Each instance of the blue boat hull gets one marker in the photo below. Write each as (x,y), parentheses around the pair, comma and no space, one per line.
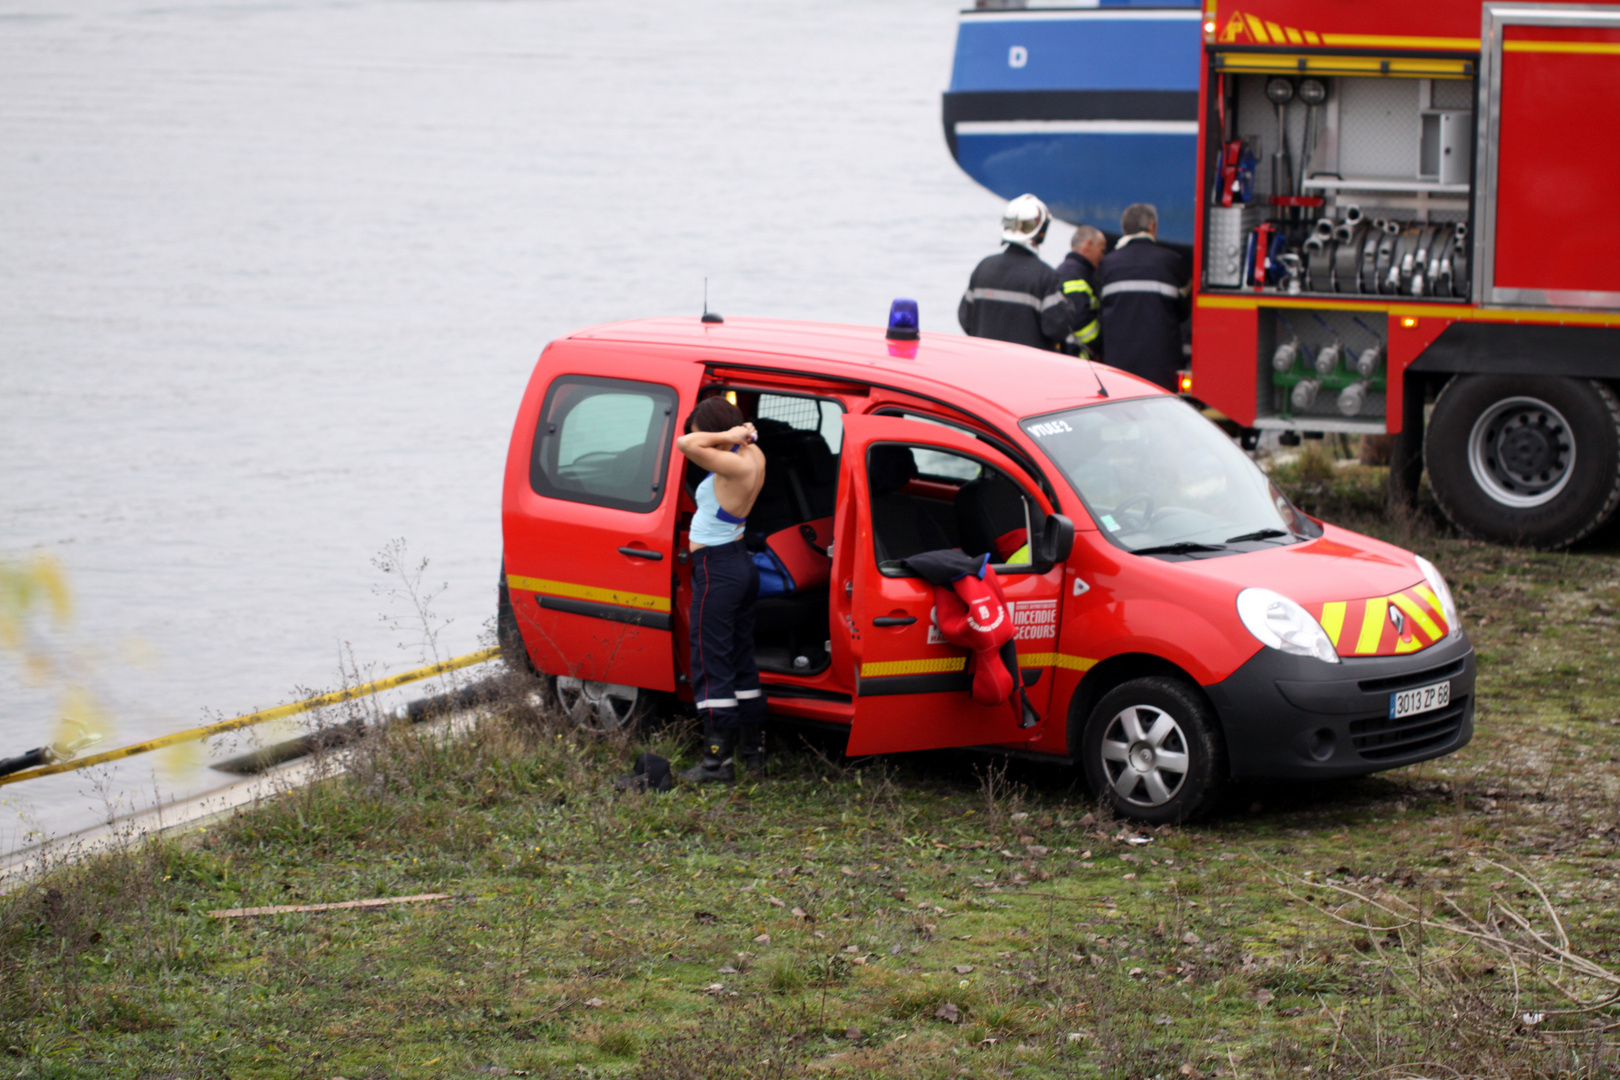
(1090,109)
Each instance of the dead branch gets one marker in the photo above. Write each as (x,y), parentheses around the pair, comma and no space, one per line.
(1504,930)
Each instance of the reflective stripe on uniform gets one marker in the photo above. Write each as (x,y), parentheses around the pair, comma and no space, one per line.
(748,695)
(1141,285)
(1008,296)
(718,703)
(1086,334)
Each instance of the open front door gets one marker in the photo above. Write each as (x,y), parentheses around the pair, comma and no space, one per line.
(907,487)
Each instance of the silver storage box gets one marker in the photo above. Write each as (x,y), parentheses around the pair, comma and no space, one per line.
(1223,252)
(1447,150)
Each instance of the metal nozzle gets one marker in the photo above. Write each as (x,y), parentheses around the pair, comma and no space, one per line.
(1304,395)
(1328,357)
(1367,361)
(1286,356)
(1352,398)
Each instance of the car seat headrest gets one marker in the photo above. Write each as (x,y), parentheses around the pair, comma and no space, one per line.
(890,468)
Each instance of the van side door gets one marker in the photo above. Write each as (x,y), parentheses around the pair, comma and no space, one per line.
(909,486)
(590,512)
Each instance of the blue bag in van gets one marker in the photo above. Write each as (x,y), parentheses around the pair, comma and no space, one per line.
(774,580)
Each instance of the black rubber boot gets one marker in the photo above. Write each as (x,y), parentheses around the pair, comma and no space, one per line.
(751,749)
(716,764)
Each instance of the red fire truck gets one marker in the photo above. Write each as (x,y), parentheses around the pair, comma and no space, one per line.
(1408,225)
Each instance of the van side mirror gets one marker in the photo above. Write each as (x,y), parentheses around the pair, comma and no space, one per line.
(1056,542)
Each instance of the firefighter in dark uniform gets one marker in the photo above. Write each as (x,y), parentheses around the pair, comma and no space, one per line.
(1144,288)
(1014,296)
(1078,272)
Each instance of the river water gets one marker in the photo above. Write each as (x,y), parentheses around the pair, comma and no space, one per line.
(273,276)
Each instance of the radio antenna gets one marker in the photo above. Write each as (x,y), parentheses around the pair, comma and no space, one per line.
(1102,391)
(709,316)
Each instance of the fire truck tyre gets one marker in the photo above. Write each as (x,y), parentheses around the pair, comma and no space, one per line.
(1521,460)
(599,706)
(1152,749)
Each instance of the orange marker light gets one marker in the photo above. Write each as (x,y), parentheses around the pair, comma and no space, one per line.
(731,396)
(1185,382)
(1409,322)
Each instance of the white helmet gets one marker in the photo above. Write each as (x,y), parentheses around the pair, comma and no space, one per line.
(1024,222)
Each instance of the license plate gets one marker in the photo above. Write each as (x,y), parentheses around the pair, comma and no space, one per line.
(1420,699)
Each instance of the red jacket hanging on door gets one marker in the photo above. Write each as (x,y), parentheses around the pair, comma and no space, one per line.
(972,613)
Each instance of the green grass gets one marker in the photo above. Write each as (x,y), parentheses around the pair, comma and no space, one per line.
(934,915)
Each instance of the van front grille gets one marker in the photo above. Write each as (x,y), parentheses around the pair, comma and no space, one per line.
(1382,739)
(1414,678)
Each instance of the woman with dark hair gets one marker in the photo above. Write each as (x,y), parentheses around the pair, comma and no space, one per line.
(725,585)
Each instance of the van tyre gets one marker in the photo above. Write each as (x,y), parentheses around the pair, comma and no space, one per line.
(1523,460)
(1153,751)
(514,654)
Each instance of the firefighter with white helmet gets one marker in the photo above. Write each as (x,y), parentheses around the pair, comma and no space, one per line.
(1014,296)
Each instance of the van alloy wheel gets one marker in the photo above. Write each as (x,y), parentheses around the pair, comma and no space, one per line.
(600,706)
(1144,754)
(1152,749)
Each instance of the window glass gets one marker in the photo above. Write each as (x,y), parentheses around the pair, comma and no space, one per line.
(963,503)
(941,465)
(604,441)
(1156,475)
(806,414)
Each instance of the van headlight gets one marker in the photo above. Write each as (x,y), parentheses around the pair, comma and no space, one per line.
(1448,606)
(1277,621)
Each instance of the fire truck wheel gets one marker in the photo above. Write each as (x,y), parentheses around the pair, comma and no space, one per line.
(599,706)
(1153,750)
(1523,460)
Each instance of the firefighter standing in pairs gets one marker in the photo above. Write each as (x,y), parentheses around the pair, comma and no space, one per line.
(1078,272)
(1014,296)
(1145,289)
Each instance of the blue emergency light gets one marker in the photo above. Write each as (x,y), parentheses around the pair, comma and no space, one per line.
(902,321)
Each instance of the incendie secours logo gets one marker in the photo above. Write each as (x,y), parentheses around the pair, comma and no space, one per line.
(1034,620)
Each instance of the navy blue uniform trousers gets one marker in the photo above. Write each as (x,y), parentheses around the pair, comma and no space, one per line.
(725,679)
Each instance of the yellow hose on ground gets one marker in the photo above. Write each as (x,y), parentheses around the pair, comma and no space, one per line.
(277,713)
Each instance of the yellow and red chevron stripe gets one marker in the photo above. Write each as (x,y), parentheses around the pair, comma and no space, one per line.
(1365,628)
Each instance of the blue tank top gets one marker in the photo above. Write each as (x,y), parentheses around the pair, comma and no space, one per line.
(711,525)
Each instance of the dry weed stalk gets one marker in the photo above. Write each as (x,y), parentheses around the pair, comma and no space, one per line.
(1542,953)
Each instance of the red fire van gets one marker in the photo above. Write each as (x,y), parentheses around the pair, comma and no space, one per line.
(1179,622)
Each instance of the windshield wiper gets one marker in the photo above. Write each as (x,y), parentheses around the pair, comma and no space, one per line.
(1185,547)
(1258,534)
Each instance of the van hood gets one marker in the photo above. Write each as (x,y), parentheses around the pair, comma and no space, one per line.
(1370,597)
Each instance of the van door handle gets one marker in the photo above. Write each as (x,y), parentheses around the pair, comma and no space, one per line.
(641,553)
(894,620)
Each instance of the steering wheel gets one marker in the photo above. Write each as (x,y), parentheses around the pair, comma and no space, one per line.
(1143,516)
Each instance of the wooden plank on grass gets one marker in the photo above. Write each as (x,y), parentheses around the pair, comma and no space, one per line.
(283,909)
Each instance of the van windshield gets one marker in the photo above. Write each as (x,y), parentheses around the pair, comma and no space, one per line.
(1159,479)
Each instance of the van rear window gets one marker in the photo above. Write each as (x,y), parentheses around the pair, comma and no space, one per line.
(604,441)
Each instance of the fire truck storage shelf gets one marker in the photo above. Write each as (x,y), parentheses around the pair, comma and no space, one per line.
(1407,226)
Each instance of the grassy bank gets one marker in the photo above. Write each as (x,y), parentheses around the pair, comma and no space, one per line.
(930,915)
